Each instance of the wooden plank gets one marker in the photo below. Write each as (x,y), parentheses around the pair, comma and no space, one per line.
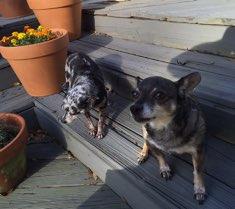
(200,12)
(137,4)
(7,77)
(213,87)
(15,99)
(3,63)
(194,60)
(123,154)
(10,22)
(181,35)
(58,182)
(7,26)
(93,196)
(31,119)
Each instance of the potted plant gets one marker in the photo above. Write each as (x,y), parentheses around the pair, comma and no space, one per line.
(37,56)
(59,14)
(14,8)
(13,139)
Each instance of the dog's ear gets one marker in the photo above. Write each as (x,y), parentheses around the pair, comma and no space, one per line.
(138,80)
(187,84)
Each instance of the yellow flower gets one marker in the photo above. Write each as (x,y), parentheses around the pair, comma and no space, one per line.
(14,42)
(21,36)
(15,34)
(40,28)
(4,39)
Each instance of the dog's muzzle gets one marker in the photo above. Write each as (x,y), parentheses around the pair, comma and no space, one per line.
(63,119)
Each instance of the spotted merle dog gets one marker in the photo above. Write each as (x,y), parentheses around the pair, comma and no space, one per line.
(85,90)
(171,122)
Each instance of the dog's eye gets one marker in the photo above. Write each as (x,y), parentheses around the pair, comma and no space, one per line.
(135,94)
(66,109)
(159,95)
(74,109)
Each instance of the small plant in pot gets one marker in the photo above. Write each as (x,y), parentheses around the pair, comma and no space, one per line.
(13,139)
(37,56)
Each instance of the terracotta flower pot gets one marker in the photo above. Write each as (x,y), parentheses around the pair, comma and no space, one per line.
(14,8)
(59,14)
(12,156)
(40,67)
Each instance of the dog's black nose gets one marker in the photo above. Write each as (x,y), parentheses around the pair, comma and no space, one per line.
(63,120)
(136,108)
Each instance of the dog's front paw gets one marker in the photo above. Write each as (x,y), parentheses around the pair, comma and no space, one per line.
(100,134)
(200,195)
(166,173)
(92,131)
(142,158)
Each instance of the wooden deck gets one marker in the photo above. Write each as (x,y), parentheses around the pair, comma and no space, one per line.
(122,61)
(216,12)
(55,179)
(169,38)
(181,24)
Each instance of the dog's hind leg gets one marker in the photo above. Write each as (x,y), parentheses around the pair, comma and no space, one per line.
(101,123)
(199,187)
(143,155)
(92,128)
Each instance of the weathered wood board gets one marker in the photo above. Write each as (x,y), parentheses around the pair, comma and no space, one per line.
(9,25)
(213,39)
(7,78)
(55,179)
(215,87)
(121,62)
(194,60)
(15,99)
(215,12)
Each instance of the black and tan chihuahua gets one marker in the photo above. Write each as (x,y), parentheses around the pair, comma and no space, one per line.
(172,123)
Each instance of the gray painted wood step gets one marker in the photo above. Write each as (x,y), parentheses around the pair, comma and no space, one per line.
(215,87)
(114,160)
(57,180)
(121,66)
(215,12)
(9,25)
(15,99)
(7,75)
(212,39)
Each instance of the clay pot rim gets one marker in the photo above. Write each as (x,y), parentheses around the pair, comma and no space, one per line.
(64,32)
(36,5)
(22,125)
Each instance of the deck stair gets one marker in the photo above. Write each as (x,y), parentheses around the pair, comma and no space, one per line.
(168,38)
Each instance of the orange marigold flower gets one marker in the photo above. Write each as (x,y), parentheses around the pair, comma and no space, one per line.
(26,28)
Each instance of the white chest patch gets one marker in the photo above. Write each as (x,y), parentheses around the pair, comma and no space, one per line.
(179,150)
(153,143)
